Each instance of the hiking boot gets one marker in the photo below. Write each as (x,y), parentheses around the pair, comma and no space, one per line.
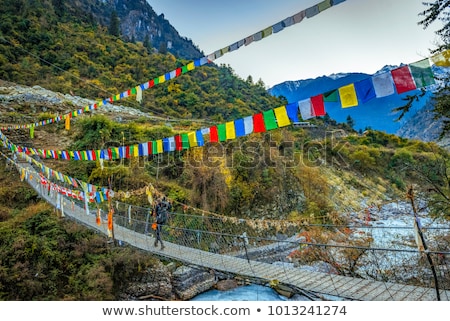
(156,243)
(162,247)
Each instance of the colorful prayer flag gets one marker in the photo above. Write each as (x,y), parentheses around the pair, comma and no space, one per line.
(281,116)
(348,96)
(383,84)
(422,73)
(365,90)
(403,80)
(230,131)
(305,109)
(258,123)
(318,105)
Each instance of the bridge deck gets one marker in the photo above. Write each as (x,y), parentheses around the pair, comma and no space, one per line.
(317,282)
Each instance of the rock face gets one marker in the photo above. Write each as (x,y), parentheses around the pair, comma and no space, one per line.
(189,282)
(154,284)
(160,283)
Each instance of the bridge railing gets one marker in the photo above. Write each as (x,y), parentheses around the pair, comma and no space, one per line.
(368,252)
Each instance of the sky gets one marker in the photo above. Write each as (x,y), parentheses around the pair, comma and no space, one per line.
(352,36)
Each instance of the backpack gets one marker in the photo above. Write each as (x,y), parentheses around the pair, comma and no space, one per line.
(162,212)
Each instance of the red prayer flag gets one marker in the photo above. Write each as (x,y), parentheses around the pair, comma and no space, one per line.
(177,72)
(150,148)
(318,105)
(178,143)
(258,123)
(403,79)
(213,134)
(127,151)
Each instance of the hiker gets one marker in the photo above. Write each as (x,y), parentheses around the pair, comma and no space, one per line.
(162,213)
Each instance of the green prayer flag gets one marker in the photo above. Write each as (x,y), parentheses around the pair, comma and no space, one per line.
(185,141)
(115,153)
(154,148)
(331,96)
(269,120)
(32,132)
(222,132)
(422,73)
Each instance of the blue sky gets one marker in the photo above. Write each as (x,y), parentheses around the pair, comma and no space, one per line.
(353,36)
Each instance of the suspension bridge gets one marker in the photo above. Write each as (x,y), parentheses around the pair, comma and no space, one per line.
(235,253)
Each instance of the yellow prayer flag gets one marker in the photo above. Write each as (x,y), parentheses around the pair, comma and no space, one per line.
(282,116)
(159,146)
(442,59)
(192,139)
(138,94)
(230,130)
(190,66)
(67,122)
(162,79)
(348,96)
(136,150)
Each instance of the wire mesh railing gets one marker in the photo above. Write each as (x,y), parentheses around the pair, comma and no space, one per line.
(380,253)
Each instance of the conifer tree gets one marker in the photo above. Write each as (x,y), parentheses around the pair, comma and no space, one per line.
(114,25)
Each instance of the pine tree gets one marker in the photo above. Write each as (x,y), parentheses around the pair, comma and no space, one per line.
(147,44)
(114,25)
(350,122)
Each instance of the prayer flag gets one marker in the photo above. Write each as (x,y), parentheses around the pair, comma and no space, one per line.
(239,127)
(422,73)
(442,59)
(282,116)
(292,111)
(383,84)
(221,129)
(172,145)
(305,109)
(267,32)
(348,96)
(150,147)
(324,5)
(67,122)
(199,137)
(213,134)
(258,123)
(192,137)
(159,146)
(270,121)
(185,141)
(403,80)
(248,125)
(138,94)
(154,147)
(230,131)
(298,17)
(312,11)
(365,90)
(32,132)
(166,144)
(318,105)
(178,144)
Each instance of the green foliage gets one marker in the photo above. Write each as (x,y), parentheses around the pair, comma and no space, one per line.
(47,259)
